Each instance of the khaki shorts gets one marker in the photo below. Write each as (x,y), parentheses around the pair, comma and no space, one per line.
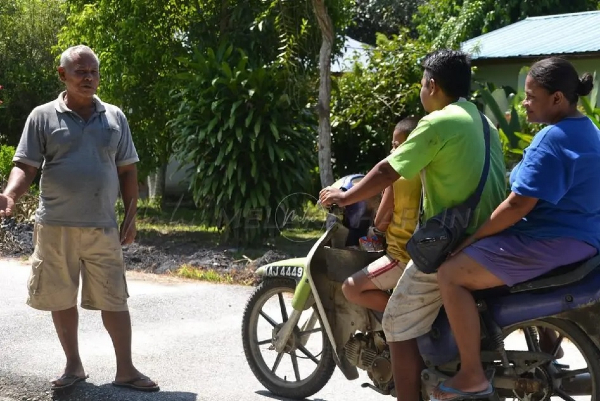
(384,272)
(61,254)
(413,306)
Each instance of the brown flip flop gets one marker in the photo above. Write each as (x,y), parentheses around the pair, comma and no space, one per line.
(131,384)
(68,381)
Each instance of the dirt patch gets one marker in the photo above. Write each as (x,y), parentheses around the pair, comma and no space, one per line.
(158,255)
(155,259)
(16,239)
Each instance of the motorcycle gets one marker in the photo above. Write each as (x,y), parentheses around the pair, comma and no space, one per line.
(565,301)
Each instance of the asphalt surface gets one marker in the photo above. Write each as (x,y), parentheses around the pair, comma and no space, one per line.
(186,336)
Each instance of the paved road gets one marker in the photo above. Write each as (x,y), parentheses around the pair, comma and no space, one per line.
(186,336)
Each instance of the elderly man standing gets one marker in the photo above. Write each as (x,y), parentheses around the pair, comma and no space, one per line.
(85,150)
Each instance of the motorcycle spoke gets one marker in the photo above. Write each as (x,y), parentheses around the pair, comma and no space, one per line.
(295,365)
(567,374)
(268,319)
(307,332)
(284,314)
(277,361)
(264,342)
(563,395)
(308,354)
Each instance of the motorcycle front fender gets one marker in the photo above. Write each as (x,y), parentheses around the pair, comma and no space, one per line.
(291,269)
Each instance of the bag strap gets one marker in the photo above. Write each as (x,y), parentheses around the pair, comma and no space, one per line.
(473,200)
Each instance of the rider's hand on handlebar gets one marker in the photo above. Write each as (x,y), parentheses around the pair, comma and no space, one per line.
(329,196)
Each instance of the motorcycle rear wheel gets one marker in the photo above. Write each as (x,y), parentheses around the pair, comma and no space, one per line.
(299,389)
(569,331)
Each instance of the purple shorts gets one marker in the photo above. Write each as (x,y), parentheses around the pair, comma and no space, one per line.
(515,258)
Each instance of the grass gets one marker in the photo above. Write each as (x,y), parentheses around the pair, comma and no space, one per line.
(210,275)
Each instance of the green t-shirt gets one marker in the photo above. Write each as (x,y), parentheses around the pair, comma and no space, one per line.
(449,147)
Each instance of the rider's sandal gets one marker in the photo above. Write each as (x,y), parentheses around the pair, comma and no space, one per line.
(464,395)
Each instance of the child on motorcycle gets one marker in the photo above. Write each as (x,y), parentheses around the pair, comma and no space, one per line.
(397,217)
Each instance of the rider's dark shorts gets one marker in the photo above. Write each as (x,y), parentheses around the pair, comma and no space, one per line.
(515,258)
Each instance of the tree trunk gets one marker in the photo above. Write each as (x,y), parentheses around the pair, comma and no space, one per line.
(156,184)
(323,107)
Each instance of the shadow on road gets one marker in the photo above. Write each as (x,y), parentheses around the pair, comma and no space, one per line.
(276,397)
(89,391)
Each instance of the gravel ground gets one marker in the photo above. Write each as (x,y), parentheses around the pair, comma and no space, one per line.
(157,256)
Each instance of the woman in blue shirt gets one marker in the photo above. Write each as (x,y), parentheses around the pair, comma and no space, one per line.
(551,217)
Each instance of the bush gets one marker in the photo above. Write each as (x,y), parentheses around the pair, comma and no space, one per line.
(251,142)
(28,30)
(28,203)
(371,99)
(6,163)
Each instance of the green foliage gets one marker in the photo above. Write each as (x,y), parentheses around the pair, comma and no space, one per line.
(28,74)
(590,105)
(446,23)
(6,163)
(369,101)
(250,142)
(28,203)
(371,17)
(138,42)
(592,112)
(268,31)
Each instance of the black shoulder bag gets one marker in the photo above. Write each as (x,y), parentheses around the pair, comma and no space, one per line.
(432,242)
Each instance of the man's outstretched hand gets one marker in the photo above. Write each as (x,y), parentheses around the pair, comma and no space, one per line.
(7,205)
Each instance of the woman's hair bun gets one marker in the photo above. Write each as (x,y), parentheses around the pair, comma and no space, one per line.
(586,84)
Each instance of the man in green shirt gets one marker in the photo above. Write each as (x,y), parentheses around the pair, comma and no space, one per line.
(447,149)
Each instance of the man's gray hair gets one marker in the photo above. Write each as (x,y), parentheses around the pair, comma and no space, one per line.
(67,56)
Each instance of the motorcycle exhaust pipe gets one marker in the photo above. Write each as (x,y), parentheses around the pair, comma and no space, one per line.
(579,385)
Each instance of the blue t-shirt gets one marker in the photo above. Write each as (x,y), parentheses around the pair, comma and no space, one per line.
(561,168)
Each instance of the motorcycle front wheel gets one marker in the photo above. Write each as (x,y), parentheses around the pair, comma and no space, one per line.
(298,351)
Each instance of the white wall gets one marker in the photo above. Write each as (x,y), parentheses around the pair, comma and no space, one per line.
(177,182)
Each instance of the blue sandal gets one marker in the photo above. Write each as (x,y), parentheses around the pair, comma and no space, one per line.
(462,395)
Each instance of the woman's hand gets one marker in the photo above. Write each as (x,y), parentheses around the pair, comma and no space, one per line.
(462,246)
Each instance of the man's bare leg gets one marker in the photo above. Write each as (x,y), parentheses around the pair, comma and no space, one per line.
(66,324)
(118,325)
(407,365)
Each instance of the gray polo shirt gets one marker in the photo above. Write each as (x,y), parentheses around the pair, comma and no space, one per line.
(79,185)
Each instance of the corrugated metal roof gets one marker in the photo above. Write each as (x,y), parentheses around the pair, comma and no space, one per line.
(539,36)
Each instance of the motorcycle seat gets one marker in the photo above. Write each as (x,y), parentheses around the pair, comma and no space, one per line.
(559,277)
